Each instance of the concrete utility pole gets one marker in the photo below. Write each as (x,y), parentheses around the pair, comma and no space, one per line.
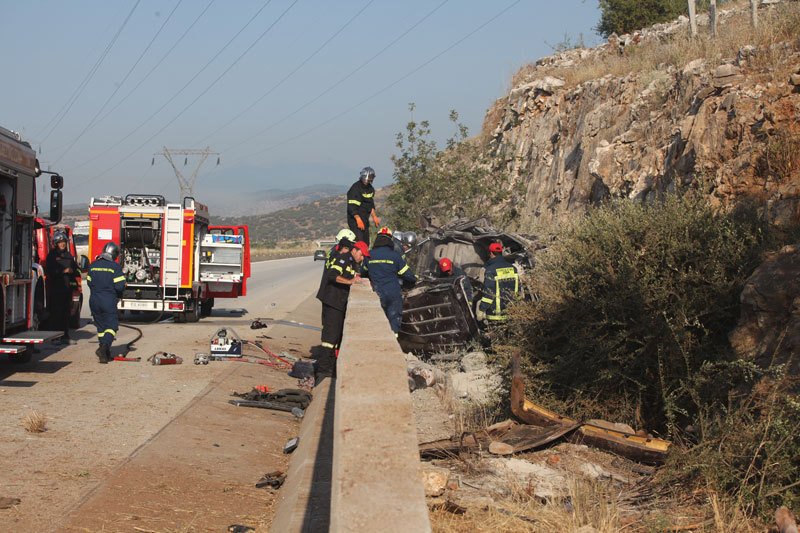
(186,184)
(692,18)
(754,13)
(712,18)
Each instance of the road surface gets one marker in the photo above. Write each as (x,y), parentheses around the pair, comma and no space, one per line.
(99,415)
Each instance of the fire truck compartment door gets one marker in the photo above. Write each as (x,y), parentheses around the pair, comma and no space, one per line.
(222,264)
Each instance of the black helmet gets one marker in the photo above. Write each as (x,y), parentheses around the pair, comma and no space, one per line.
(409,239)
(367,175)
(110,251)
(59,236)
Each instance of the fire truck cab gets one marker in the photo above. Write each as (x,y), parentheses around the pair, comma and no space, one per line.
(20,275)
(174,262)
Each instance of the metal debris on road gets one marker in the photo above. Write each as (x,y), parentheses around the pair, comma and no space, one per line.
(165,358)
(291,445)
(201,359)
(273,479)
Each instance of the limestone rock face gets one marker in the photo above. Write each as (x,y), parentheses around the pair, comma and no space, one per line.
(717,126)
(769,328)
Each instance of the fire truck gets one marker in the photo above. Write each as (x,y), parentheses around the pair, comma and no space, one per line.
(20,276)
(174,261)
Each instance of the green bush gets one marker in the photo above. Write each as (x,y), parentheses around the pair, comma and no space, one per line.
(633,300)
(626,16)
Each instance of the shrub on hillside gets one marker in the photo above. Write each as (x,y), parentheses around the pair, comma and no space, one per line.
(633,300)
(626,16)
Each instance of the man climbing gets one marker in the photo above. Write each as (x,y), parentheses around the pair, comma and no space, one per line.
(500,286)
(386,268)
(334,291)
(106,281)
(361,205)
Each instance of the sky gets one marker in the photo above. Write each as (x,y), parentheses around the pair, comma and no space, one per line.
(289,92)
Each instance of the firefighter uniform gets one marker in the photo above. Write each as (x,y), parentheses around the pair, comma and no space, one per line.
(500,286)
(361,202)
(386,268)
(333,296)
(106,281)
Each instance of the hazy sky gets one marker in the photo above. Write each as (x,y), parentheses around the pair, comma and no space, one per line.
(320,88)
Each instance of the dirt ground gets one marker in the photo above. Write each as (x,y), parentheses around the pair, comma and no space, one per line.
(129,445)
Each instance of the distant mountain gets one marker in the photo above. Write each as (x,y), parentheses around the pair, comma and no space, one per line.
(270,200)
(310,221)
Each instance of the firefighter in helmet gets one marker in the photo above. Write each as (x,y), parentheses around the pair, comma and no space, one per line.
(361,205)
(106,281)
(500,286)
(60,269)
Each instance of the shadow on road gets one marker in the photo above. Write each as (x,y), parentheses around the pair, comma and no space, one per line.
(318,513)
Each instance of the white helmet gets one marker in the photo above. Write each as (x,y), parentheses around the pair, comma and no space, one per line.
(346,234)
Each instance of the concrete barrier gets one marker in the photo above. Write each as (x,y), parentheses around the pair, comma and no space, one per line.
(357,468)
(376,482)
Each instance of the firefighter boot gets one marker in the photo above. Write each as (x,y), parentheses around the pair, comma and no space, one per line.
(103,352)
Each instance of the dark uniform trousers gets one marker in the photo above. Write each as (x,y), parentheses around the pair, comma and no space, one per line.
(106,282)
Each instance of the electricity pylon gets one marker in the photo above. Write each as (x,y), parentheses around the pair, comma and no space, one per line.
(186,184)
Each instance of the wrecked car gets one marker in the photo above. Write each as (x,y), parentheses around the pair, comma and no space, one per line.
(438,314)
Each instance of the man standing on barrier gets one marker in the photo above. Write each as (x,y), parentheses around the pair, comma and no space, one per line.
(106,281)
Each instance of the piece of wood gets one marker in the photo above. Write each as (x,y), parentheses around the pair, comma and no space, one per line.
(692,18)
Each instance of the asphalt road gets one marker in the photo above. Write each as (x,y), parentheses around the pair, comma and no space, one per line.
(98,415)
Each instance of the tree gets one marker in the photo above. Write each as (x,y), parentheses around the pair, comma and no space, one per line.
(450,183)
(625,16)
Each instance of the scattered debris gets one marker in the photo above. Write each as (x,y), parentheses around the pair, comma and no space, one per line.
(257,324)
(125,358)
(606,436)
(434,479)
(287,400)
(302,369)
(238,528)
(298,413)
(8,503)
(500,448)
(291,445)
(165,358)
(35,422)
(273,479)
(201,358)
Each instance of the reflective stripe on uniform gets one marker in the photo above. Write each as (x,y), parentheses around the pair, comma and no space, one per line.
(402,270)
(503,274)
(101,269)
(328,345)
(119,278)
(354,202)
(486,300)
(496,317)
(113,333)
(337,267)
(88,277)
(367,195)
(382,261)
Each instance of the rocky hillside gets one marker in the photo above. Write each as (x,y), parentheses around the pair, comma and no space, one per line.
(656,111)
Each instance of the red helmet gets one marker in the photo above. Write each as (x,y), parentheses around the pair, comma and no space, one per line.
(445,265)
(496,248)
(361,245)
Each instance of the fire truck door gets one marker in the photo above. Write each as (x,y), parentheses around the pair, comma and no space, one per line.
(225,261)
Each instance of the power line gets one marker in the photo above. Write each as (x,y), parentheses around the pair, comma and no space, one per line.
(386,88)
(289,75)
(120,84)
(168,124)
(174,96)
(341,80)
(79,90)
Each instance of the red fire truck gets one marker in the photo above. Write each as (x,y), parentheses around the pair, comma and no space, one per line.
(173,260)
(19,274)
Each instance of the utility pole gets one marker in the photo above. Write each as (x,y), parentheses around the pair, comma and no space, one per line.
(186,184)
(692,18)
(754,13)
(712,18)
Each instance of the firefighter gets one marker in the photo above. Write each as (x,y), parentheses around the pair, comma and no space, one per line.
(500,286)
(386,268)
(344,241)
(448,270)
(106,282)
(60,268)
(334,291)
(361,205)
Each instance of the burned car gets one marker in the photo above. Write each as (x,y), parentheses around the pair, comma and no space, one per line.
(438,314)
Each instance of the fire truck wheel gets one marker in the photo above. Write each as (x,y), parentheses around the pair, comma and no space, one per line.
(22,357)
(206,307)
(193,315)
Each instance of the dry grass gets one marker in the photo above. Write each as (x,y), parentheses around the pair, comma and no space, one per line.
(586,504)
(35,422)
(775,26)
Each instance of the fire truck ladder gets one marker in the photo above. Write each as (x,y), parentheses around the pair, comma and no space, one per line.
(173,249)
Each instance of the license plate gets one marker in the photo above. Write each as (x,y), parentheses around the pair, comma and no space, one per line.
(138,305)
